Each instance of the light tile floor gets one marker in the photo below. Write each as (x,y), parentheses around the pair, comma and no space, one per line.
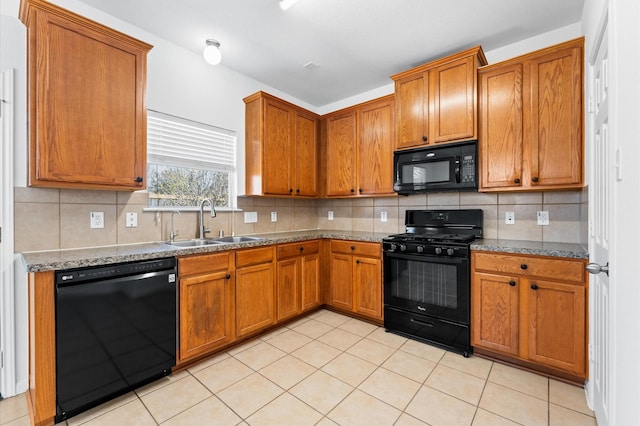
(329,369)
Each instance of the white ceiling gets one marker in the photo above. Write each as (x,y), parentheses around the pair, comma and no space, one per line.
(355,44)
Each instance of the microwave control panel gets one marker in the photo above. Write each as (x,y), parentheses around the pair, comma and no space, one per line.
(468,172)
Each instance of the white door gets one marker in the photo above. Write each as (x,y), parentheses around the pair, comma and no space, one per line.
(600,214)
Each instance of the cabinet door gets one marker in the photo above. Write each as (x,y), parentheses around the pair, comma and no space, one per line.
(306,156)
(206,313)
(501,137)
(87,116)
(341,154)
(453,93)
(341,281)
(557,325)
(368,287)
(255,304)
(412,109)
(556,120)
(277,148)
(310,281)
(288,288)
(375,148)
(494,306)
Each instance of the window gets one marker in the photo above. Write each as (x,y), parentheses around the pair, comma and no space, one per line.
(188,161)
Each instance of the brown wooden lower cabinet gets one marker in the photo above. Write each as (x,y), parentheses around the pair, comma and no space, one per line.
(531,309)
(297,278)
(255,290)
(355,278)
(206,301)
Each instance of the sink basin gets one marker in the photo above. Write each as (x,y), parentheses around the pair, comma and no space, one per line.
(237,239)
(194,243)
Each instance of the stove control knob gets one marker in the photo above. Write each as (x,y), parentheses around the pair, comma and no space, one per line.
(450,251)
(403,247)
(392,247)
(438,250)
(420,249)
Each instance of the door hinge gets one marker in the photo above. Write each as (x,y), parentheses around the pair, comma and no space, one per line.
(1,359)
(591,357)
(590,105)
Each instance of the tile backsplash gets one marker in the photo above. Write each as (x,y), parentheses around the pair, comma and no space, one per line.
(49,219)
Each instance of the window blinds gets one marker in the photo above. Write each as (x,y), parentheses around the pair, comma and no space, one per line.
(179,142)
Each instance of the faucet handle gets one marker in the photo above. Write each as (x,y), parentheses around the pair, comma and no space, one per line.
(206,230)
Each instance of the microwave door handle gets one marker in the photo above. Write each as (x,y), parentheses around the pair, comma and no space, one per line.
(457,170)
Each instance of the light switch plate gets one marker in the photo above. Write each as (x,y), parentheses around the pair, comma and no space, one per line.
(250,217)
(383,216)
(96,220)
(543,217)
(131,220)
(330,215)
(274,216)
(509,218)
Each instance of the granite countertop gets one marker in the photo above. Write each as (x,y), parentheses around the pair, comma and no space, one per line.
(568,250)
(52,260)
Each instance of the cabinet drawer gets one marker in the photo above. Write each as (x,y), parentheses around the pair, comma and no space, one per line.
(351,247)
(557,269)
(254,256)
(284,251)
(204,263)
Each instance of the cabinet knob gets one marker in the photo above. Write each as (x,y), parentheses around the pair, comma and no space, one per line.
(139,179)
(512,283)
(360,190)
(516,180)
(534,287)
(353,247)
(353,190)
(523,266)
(228,276)
(301,248)
(424,138)
(534,179)
(290,190)
(298,191)
(358,262)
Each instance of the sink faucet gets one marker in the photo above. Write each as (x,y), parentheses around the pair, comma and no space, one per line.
(173,233)
(204,230)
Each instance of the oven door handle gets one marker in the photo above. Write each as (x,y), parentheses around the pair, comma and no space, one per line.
(427,258)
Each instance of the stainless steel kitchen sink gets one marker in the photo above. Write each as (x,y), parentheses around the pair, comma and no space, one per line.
(237,239)
(195,243)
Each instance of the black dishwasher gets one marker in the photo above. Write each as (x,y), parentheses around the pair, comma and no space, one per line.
(115,331)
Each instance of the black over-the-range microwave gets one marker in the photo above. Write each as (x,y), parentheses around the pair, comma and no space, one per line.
(451,167)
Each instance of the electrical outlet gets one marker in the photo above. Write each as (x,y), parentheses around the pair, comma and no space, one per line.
(543,217)
(131,220)
(250,217)
(96,220)
(383,216)
(330,215)
(509,218)
(274,216)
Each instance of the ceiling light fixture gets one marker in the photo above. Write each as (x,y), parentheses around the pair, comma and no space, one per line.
(212,52)
(286,4)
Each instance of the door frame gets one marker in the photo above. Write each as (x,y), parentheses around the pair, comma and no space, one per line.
(7,255)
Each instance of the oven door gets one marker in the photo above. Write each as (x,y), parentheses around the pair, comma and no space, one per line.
(437,286)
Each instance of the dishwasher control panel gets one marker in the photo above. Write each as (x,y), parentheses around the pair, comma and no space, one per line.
(112,271)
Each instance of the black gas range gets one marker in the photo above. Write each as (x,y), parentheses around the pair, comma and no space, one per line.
(427,277)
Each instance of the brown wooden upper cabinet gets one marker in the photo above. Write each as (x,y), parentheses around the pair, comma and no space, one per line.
(436,102)
(358,152)
(87,107)
(531,121)
(280,148)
